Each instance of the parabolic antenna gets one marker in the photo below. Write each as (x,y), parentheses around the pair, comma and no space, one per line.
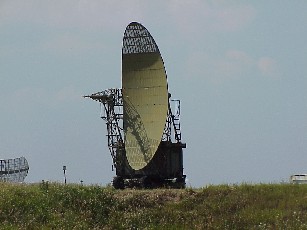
(13,170)
(139,117)
(145,95)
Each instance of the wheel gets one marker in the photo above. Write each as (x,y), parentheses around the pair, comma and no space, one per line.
(145,182)
(180,182)
(118,183)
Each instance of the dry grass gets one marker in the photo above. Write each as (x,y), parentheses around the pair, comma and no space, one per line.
(56,206)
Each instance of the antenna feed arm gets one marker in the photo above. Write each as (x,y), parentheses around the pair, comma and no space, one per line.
(100,98)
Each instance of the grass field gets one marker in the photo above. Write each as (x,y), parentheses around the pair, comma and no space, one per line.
(56,206)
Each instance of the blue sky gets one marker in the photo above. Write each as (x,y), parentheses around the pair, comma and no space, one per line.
(239,68)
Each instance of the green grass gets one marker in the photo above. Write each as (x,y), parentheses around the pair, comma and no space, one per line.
(56,206)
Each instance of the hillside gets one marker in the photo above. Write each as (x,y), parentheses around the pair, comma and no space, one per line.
(56,206)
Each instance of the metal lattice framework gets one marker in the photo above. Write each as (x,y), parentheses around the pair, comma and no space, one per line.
(137,39)
(14,170)
(112,102)
(172,125)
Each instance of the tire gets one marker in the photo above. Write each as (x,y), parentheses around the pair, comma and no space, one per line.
(118,183)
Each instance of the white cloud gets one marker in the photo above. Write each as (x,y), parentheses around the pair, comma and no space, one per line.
(201,15)
(233,64)
(84,14)
(70,45)
(24,99)
(238,56)
(193,19)
(95,14)
(268,66)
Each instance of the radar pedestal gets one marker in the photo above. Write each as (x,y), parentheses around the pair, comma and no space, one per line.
(165,169)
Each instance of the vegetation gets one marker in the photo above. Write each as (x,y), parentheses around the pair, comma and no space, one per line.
(56,206)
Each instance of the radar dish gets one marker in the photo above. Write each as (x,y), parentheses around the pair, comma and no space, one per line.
(14,170)
(139,117)
(145,95)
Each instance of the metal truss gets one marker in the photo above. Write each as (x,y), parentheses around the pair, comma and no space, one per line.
(172,125)
(137,39)
(112,102)
(14,170)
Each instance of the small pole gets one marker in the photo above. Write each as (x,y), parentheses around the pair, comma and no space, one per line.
(64,169)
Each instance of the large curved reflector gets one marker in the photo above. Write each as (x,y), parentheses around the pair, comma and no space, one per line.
(145,95)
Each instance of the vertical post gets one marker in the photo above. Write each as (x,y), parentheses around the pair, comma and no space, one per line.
(64,169)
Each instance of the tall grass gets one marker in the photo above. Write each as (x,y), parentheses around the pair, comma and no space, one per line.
(56,206)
